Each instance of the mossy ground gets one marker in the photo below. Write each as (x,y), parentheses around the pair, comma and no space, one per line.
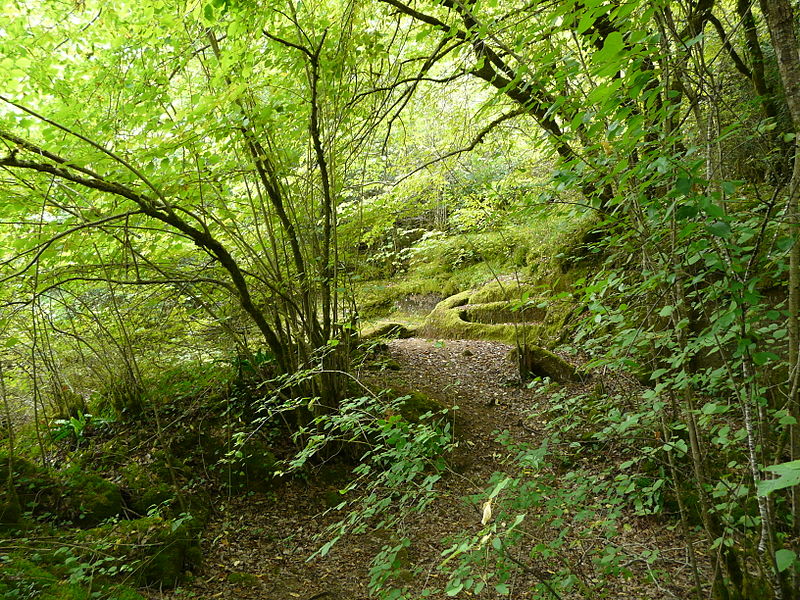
(152,550)
(128,503)
(25,487)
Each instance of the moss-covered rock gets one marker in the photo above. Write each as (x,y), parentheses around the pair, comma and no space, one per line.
(33,488)
(155,551)
(123,592)
(69,403)
(10,507)
(391,329)
(191,443)
(243,579)
(496,313)
(251,468)
(126,396)
(22,578)
(67,591)
(45,577)
(332,498)
(417,404)
(415,296)
(503,290)
(145,488)
(534,361)
(89,499)
(459,317)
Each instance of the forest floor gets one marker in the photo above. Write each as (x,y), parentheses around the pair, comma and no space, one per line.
(256,547)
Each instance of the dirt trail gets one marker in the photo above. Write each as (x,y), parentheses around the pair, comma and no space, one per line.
(269,537)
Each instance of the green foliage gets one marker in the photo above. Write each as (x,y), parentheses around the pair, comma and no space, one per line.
(550,512)
(303,151)
(61,575)
(248,465)
(23,579)
(193,381)
(696,321)
(788,476)
(399,463)
(76,430)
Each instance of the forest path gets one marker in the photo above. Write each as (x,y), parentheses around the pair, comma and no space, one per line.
(478,378)
(256,547)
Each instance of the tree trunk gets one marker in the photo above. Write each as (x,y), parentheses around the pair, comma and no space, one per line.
(781,23)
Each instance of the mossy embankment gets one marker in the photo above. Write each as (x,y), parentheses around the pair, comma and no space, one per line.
(512,285)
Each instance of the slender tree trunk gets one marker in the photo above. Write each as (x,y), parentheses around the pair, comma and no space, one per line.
(781,23)
(744,8)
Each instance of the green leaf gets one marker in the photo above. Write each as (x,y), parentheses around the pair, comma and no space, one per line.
(587,20)
(666,311)
(327,546)
(719,229)
(713,210)
(657,373)
(762,358)
(502,589)
(789,476)
(600,93)
(684,185)
(694,40)
(454,587)
(609,56)
(729,187)
(784,559)
(499,488)
(613,43)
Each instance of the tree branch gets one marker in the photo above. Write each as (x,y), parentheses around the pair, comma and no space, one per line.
(92,143)
(45,245)
(726,43)
(419,16)
(203,239)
